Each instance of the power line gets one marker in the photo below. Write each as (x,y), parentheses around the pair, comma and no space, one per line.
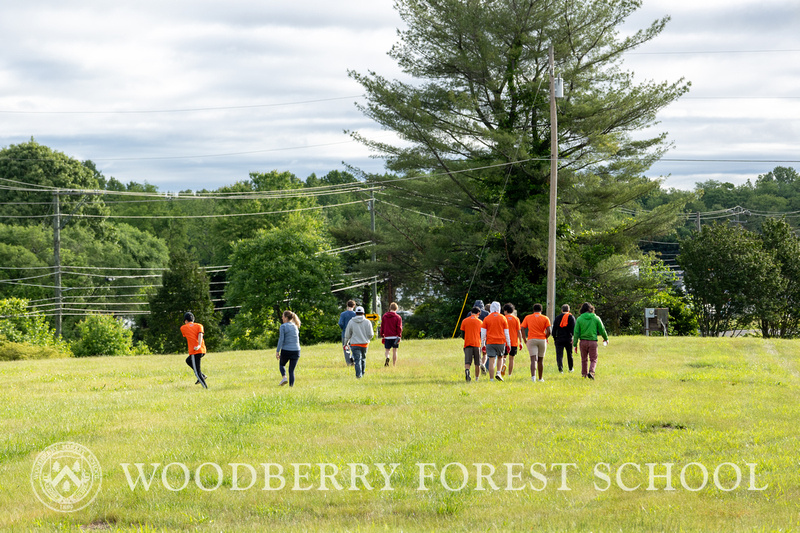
(202,156)
(738,98)
(179,110)
(686,52)
(329,189)
(179,217)
(299,192)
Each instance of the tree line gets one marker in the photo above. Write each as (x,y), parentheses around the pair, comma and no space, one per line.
(461,212)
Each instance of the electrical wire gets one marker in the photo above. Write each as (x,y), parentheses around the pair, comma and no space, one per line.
(180,110)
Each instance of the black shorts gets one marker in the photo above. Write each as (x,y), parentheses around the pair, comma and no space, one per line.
(511,352)
(391,343)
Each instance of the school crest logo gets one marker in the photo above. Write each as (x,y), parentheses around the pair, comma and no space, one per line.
(66,477)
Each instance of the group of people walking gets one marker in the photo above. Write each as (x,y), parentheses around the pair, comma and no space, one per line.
(357,331)
(492,340)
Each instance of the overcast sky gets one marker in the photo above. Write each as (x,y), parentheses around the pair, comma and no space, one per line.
(197,94)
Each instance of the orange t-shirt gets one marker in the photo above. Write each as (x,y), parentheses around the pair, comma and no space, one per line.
(191,332)
(536,323)
(471,326)
(495,325)
(513,329)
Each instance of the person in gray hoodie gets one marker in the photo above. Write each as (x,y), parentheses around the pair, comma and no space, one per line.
(358,334)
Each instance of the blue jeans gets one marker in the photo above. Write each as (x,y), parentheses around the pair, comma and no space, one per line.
(360,359)
(347,357)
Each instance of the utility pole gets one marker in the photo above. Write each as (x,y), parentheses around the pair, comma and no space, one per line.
(57,259)
(57,226)
(551,241)
(698,220)
(374,258)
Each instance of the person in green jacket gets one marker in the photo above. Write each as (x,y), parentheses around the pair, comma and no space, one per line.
(587,328)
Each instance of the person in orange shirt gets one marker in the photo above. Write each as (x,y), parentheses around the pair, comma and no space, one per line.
(197,346)
(515,333)
(471,326)
(536,328)
(494,335)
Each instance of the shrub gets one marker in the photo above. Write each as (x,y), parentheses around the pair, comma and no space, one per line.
(18,325)
(141,349)
(102,335)
(240,334)
(19,351)
(27,332)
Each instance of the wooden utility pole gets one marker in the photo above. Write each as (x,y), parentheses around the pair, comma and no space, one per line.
(374,258)
(58,225)
(551,241)
(57,259)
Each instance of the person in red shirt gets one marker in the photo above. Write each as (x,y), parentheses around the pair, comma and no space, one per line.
(536,328)
(197,346)
(494,335)
(515,332)
(391,331)
(471,326)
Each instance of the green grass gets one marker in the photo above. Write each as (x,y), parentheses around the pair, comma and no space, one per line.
(655,400)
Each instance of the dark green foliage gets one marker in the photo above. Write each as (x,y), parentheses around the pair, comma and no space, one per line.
(773,193)
(782,318)
(731,278)
(436,318)
(37,165)
(223,232)
(184,287)
(285,268)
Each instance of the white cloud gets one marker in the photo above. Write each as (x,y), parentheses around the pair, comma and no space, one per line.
(94,55)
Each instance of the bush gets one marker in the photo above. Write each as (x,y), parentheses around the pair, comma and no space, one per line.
(102,335)
(248,333)
(18,325)
(141,349)
(20,351)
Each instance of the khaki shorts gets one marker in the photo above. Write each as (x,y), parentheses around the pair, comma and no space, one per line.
(537,347)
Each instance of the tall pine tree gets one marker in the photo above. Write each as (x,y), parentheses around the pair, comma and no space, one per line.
(473,118)
(184,287)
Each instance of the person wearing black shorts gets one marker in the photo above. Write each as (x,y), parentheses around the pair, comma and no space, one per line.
(391,331)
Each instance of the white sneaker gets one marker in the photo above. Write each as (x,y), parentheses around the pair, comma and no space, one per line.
(533,378)
(284,381)
(541,379)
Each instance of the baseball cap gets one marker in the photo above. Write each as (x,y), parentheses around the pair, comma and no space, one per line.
(360,310)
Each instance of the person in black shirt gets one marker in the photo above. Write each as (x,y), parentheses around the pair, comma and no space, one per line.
(563,327)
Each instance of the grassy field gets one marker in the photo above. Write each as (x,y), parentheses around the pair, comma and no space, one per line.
(720,403)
